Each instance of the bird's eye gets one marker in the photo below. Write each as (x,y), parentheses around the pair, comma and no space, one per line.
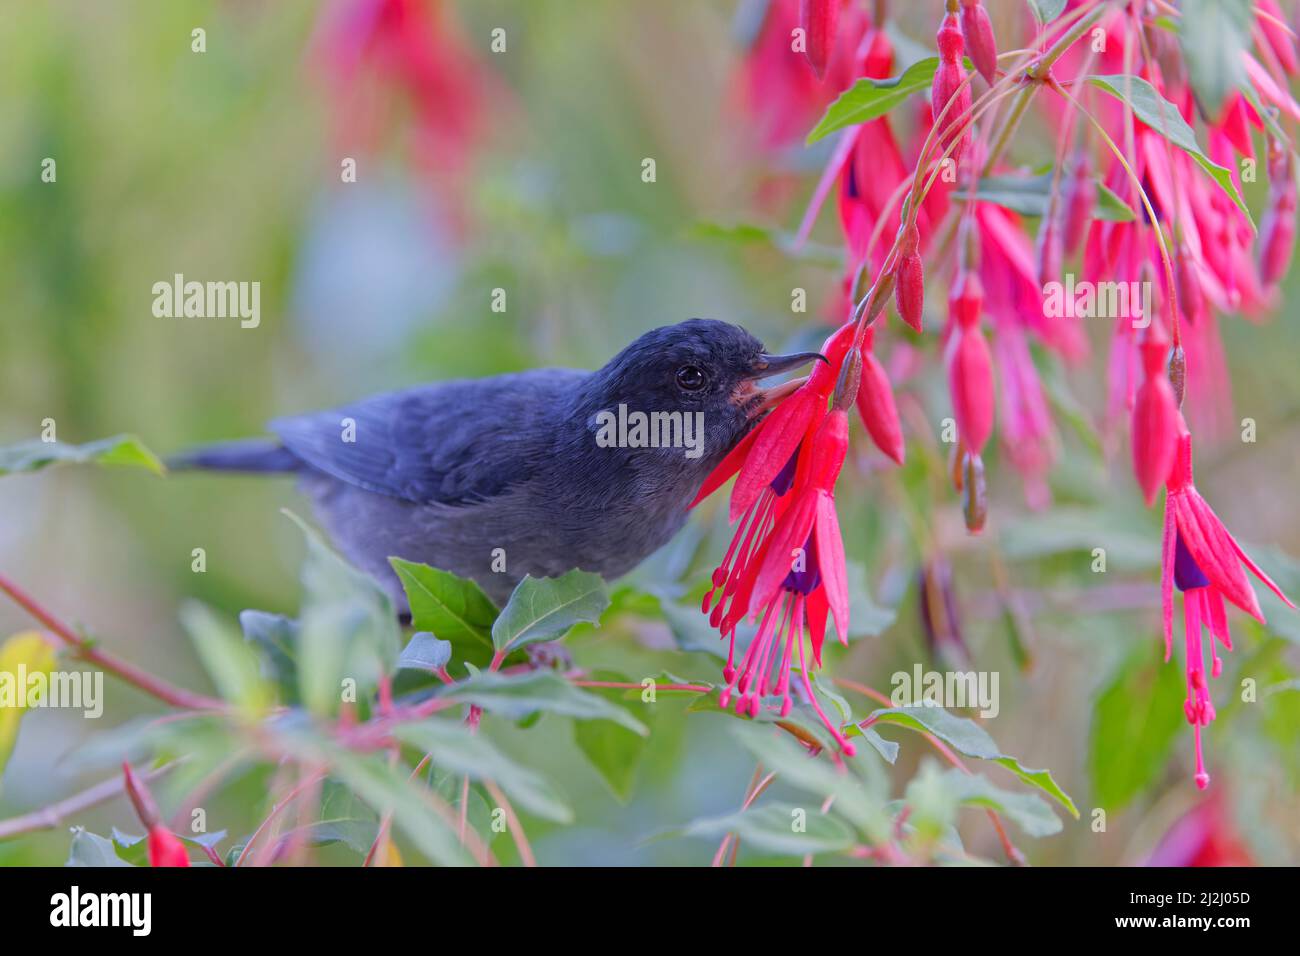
(690,377)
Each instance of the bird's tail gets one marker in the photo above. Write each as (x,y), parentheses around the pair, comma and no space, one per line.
(252,455)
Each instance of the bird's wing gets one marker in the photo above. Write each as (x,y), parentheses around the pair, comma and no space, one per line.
(453,443)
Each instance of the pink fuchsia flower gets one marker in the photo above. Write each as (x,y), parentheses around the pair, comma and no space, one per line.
(777,90)
(800,577)
(1203,836)
(785,565)
(768,463)
(409,48)
(1203,561)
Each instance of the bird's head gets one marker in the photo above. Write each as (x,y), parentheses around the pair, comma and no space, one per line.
(701,377)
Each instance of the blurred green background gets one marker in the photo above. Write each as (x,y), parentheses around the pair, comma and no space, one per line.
(225,165)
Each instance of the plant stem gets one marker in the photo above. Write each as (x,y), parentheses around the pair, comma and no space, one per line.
(47,818)
(86,650)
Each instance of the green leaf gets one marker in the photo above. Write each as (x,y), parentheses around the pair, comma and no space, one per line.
(1213,35)
(424,652)
(1027,810)
(348,627)
(970,739)
(543,609)
(387,789)
(124,450)
(343,818)
(232,663)
(614,751)
(750,234)
(91,849)
(1031,196)
(453,609)
(455,748)
(1163,118)
(1047,10)
(869,99)
(775,827)
(516,696)
(276,638)
(1135,722)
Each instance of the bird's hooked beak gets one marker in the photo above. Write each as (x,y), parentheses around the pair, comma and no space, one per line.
(759,400)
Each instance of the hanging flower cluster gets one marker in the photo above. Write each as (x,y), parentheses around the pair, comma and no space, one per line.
(1132,203)
(381,55)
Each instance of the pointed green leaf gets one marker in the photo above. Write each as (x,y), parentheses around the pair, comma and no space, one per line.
(869,99)
(516,696)
(125,450)
(971,740)
(453,747)
(452,608)
(1163,118)
(780,828)
(543,609)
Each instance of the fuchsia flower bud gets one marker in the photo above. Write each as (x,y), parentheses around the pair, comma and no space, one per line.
(1191,298)
(165,848)
(978,31)
(909,290)
(949,82)
(819,19)
(1155,420)
(970,364)
(876,405)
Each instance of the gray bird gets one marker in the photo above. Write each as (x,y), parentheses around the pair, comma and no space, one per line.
(535,472)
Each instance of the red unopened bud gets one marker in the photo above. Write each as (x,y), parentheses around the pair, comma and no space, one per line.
(1080,200)
(974,494)
(909,289)
(1187,274)
(165,848)
(877,408)
(978,31)
(970,384)
(819,19)
(950,82)
(1155,421)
